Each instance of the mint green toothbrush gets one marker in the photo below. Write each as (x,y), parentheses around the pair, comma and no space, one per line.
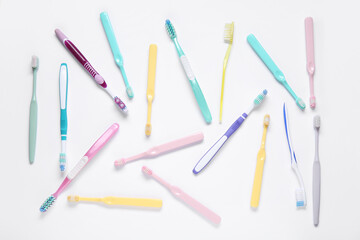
(33,112)
(278,74)
(115,50)
(189,73)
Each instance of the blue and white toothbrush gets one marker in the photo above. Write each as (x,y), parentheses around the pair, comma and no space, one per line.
(300,192)
(210,154)
(63,86)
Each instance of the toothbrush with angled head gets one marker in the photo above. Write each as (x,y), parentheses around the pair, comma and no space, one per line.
(278,74)
(189,73)
(150,92)
(316,174)
(63,85)
(115,50)
(210,154)
(100,143)
(310,61)
(87,66)
(33,112)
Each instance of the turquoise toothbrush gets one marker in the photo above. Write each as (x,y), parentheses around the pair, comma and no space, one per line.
(33,112)
(278,74)
(189,73)
(63,86)
(115,50)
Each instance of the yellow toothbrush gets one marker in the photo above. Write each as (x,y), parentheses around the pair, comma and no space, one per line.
(255,196)
(228,38)
(139,202)
(150,93)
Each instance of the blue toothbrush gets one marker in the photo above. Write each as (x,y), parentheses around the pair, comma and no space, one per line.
(63,86)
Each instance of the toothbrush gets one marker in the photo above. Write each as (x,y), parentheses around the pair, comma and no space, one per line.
(63,85)
(300,192)
(278,74)
(228,38)
(87,66)
(150,92)
(310,62)
(189,73)
(210,154)
(163,148)
(81,164)
(316,174)
(115,50)
(33,112)
(137,202)
(255,196)
(177,192)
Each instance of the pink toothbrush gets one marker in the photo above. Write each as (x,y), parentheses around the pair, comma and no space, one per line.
(310,65)
(81,164)
(164,148)
(177,192)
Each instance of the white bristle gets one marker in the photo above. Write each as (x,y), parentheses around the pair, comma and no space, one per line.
(229,33)
(147,170)
(317,121)
(34,62)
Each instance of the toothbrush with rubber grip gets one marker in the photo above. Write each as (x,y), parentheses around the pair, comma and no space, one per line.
(63,86)
(310,59)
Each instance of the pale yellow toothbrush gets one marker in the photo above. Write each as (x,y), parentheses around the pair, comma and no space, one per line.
(150,93)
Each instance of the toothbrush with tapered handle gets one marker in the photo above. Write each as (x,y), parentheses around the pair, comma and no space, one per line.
(310,59)
(316,174)
(163,148)
(255,196)
(33,112)
(180,194)
(63,86)
(150,92)
(136,202)
(210,154)
(100,143)
(189,73)
(115,50)
(270,64)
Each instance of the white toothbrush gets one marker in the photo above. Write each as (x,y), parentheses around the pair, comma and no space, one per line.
(316,174)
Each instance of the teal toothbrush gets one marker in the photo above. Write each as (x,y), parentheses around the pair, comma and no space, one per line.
(278,74)
(63,86)
(189,73)
(115,50)
(33,112)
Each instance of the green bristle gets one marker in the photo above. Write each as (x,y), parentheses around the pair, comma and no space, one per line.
(260,97)
(48,202)
(170,29)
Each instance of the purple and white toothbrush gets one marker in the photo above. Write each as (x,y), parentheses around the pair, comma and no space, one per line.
(210,154)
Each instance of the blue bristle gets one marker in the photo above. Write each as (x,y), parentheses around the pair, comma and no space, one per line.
(48,202)
(170,29)
(300,203)
(62,168)
(265,92)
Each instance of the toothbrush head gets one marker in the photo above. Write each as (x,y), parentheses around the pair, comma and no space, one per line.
(48,202)
(148,129)
(229,33)
(258,100)
(73,198)
(170,29)
(35,62)
(317,122)
(120,162)
(266,120)
(147,170)
(300,198)
(62,161)
(300,103)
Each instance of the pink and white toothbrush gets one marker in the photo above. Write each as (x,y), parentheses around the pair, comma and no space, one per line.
(310,65)
(87,66)
(81,164)
(164,148)
(177,192)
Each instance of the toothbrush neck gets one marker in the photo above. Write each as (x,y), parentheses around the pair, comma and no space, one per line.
(178,48)
(264,137)
(34,84)
(317,145)
(287,86)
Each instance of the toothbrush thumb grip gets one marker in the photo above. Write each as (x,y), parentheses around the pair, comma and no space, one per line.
(201,101)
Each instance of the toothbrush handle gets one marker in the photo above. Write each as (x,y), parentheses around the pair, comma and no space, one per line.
(63,82)
(32,130)
(309,36)
(316,191)
(236,125)
(255,196)
(140,202)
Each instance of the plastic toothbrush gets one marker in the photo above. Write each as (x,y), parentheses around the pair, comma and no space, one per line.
(33,112)
(177,192)
(228,38)
(163,148)
(316,174)
(81,164)
(150,92)
(278,74)
(115,50)
(87,66)
(300,192)
(255,196)
(210,154)
(63,85)
(310,59)
(189,73)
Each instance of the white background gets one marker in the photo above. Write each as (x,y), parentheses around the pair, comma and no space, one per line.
(27,28)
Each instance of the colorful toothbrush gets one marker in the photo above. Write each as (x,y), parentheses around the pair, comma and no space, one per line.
(81,164)
(210,154)
(150,92)
(63,86)
(278,74)
(115,50)
(163,148)
(310,60)
(85,63)
(228,38)
(316,174)
(137,202)
(33,112)
(255,196)
(300,192)
(177,192)
(189,73)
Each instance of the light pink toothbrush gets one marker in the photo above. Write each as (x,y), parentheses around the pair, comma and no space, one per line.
(310,65)
(177,192)
(164,148)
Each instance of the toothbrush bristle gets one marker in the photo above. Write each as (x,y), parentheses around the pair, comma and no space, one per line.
(301,103)
(146,170)
(120,162)
(300,198)
(260,98)
(35,62)
(267,120)
(170,29)
(62,161)
(73,198)
(317,121)
(229,32)
(148,129)
(48,202)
